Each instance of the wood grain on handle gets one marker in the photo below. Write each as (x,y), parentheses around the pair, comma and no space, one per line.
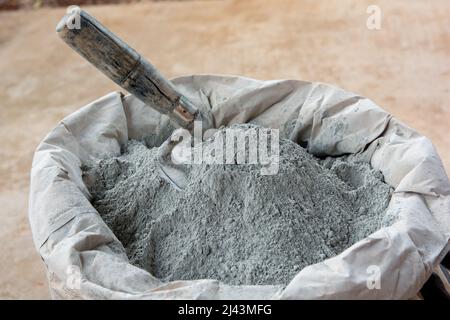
(124,65)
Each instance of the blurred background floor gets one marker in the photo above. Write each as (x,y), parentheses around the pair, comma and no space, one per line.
(404,68)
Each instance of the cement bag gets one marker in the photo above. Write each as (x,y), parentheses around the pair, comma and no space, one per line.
(85,260)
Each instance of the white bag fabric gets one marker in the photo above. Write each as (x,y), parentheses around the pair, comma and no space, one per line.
(85,260)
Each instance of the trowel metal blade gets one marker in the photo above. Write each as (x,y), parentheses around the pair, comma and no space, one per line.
(173,176)
(172,173)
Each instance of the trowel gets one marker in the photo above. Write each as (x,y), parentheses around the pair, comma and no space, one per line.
(131,71)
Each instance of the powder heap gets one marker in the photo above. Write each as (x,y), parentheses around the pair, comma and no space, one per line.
(233,224)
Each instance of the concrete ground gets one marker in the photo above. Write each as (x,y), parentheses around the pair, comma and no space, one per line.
(404,67)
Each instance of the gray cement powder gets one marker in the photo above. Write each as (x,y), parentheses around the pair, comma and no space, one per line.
(233,224)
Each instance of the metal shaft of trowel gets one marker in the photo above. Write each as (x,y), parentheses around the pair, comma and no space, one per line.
(125,66)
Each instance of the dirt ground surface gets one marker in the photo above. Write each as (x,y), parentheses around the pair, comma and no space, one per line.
(404,67)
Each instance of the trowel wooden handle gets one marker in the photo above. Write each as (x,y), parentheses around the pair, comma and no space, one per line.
(124,65)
